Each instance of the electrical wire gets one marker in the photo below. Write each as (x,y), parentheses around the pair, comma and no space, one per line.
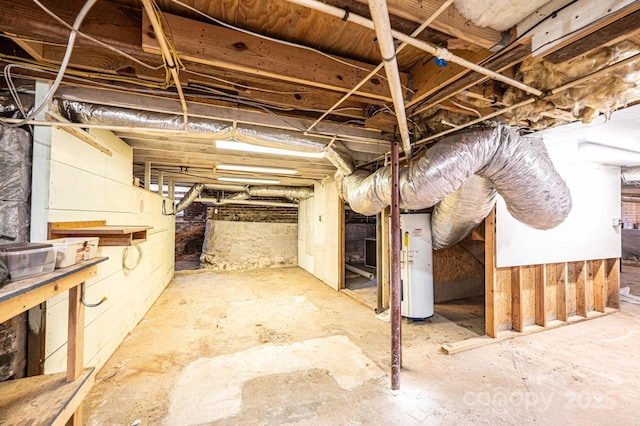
(273,39)
(63,66)
(98,42)
(125,254)
(467,108)
(244,86)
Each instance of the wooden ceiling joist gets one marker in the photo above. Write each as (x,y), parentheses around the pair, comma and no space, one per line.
(234,50)
(450,22)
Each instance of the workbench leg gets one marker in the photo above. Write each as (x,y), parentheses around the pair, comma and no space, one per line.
(75,343)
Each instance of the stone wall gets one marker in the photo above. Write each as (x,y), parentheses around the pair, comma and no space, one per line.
(232,245)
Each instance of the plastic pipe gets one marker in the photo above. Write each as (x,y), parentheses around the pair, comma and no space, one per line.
(362,273)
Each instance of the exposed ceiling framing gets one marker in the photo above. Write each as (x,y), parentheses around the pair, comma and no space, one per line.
(281,64)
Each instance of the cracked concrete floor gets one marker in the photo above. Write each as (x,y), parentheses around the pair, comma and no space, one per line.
(277,346)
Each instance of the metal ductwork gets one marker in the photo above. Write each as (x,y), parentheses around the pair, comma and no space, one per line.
(519,169)
(631,176)
(81,112)
(461,212)
(195,190)
(244,193)
(288,192)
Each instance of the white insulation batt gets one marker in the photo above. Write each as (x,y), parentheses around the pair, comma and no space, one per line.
(499,15)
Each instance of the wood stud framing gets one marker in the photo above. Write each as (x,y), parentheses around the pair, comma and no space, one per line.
(521,297)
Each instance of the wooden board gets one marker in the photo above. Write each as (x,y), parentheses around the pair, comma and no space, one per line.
(43,400)
(110,235)
(18,296)
(233,50)
(490,275)
(612,271)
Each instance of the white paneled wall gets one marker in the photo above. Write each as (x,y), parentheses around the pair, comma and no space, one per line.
(86,184)
(319,234)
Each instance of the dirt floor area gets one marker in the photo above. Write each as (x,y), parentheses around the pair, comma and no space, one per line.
(277,346)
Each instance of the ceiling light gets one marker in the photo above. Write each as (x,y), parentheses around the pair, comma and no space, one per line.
(241,146)
(249,180)
(257,169)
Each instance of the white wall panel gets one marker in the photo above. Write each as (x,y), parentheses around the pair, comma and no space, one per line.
(588,231)
(86,184)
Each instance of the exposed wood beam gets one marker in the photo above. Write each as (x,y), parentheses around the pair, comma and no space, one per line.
(221,47)
(429,78)
(618,29)
(406,26)
(29,21)
(465,80)
(449,23)
(159,104)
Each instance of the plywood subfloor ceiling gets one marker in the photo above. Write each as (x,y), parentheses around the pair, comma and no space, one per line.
(283,65)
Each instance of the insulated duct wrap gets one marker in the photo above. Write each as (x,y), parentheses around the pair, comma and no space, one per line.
(15,184)
(520,170)
(631,176)
(80,112)
(290,192)
(461,212)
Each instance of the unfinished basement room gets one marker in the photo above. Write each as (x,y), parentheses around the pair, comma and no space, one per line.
(319,212)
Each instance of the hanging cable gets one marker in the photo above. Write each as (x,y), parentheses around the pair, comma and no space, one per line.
(63,66)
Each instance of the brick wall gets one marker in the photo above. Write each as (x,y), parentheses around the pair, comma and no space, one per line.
(630,213)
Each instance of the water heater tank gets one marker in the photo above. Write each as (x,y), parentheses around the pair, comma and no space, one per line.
(416,266)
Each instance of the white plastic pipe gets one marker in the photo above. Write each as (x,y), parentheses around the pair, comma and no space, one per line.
(380,16)
(419,44)
(367,275)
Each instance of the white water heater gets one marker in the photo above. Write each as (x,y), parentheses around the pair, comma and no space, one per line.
(416,265)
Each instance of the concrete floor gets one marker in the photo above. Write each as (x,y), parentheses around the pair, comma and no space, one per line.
(277,346)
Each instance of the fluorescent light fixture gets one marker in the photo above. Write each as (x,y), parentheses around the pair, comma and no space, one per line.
(241,146)
(249,180)
(257,169)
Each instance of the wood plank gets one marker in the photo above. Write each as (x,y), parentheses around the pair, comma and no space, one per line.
(589,285)
(466,80)
(562,274)
(429,78)
(476,342)
(581,292)
(85,137)
(101,230)
(613,283)
(75,335)
(616,28)
(550,277)
(490,275)
(598,273)
(44,399)
(572,278)
(450,22)
(541,276)
(233,50)
(18,296)
(517,316)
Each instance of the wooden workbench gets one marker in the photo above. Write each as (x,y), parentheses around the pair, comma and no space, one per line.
(51,399)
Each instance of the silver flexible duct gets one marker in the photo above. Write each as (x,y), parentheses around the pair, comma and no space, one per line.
(243,193)
(519,169)
(461,212)
(80,112)
(631,176)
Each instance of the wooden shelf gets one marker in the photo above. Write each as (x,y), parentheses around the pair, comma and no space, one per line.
(110,235)
(43,400)
(49,399)
(19,296)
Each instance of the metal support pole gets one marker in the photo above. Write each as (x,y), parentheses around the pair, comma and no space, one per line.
(172,189)
(396,283)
